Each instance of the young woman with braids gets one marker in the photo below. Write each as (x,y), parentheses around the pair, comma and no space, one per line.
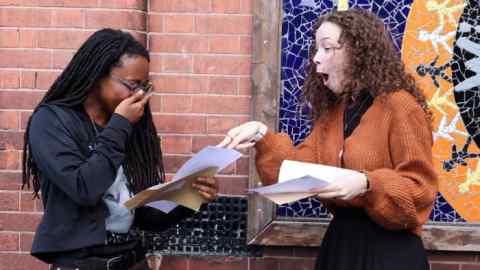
(371,118)
(89,146)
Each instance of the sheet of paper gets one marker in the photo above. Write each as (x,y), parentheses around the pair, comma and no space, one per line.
(179,190)
(164,206)
(209,156)
(291,169)
(291,190)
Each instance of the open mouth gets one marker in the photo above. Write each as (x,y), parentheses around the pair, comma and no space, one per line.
(324,77)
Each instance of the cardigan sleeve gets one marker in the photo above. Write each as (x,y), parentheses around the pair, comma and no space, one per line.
(401,197)
(274,148)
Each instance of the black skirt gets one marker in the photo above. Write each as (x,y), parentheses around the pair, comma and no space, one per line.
(354,242)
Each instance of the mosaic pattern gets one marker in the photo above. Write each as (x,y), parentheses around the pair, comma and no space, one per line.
(298,18)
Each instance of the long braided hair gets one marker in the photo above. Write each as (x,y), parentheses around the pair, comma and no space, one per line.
(94,60)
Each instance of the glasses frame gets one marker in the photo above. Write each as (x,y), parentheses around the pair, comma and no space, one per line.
(146,87)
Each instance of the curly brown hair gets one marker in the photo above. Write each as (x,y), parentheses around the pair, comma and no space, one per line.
(373,64)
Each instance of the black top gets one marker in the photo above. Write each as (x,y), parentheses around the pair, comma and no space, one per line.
(354,111)
(74,175)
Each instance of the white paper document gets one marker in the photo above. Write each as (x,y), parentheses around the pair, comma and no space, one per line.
(179,190)
(296,180)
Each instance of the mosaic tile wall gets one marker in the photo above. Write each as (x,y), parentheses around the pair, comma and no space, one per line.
(298,18)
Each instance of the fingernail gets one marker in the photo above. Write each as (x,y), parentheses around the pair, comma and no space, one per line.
(140,92)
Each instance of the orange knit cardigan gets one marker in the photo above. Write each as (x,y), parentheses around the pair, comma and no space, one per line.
(392,145)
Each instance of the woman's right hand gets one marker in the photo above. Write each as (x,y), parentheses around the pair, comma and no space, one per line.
(243,136)
(132,107)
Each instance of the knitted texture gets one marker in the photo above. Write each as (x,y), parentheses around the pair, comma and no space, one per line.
(392,144)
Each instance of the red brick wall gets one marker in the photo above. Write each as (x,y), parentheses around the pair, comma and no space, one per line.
(201,68)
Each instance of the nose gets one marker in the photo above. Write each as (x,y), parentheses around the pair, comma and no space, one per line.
(317,57)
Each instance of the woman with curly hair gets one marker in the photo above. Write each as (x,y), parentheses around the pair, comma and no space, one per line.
(370,117)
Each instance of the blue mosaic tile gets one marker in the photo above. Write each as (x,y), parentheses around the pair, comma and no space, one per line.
(299,16)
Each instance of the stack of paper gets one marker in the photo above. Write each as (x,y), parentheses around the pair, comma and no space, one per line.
(296,180)
(167,196)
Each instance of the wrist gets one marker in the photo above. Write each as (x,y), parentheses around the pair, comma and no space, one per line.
(262,130)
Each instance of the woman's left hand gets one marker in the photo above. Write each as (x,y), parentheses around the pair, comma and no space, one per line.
(348,185)
(207,187)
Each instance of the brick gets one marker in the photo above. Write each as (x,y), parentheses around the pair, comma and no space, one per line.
(25,58)
(178,43)
(245,45)
(259,263)
(11,140)
(243,166)
(127,4)
(9,160)
(180,124)
(68,18)
(27,203)
(14,261)
(296,264)
(19,99)
(9,201)
(18,17)
(66,3)
(219,263)
(221,124)
(245,87)
(444,266)
(45,79)
(470,266)
(177,63)
(28,38)
(180,84)
(175,262)
(21,222)
(176,104)
(10,180)
(26,240)
(28,79)
(8,38)
(173,163)
(223,85)
(115,19)
(43,17)
(62,39)
(9,241)
(9,120)
(180,6)
(225,44)
(179,23)
(224,24)
(246,6)
(9,79)
(176,145)
(155,23)
(156,63)
(200,142)
(221,104)
(227,65)
(226,6)
(61,58)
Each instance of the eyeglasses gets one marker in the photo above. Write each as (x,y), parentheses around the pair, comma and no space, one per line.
(146,86)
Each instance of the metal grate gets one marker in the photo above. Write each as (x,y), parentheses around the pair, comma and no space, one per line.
(219,228)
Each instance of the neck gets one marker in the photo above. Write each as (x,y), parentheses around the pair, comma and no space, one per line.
(95,111)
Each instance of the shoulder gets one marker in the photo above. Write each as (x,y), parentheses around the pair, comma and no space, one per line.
(49,115)
(402,102)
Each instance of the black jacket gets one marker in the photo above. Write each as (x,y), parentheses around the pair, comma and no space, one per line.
(75,170)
